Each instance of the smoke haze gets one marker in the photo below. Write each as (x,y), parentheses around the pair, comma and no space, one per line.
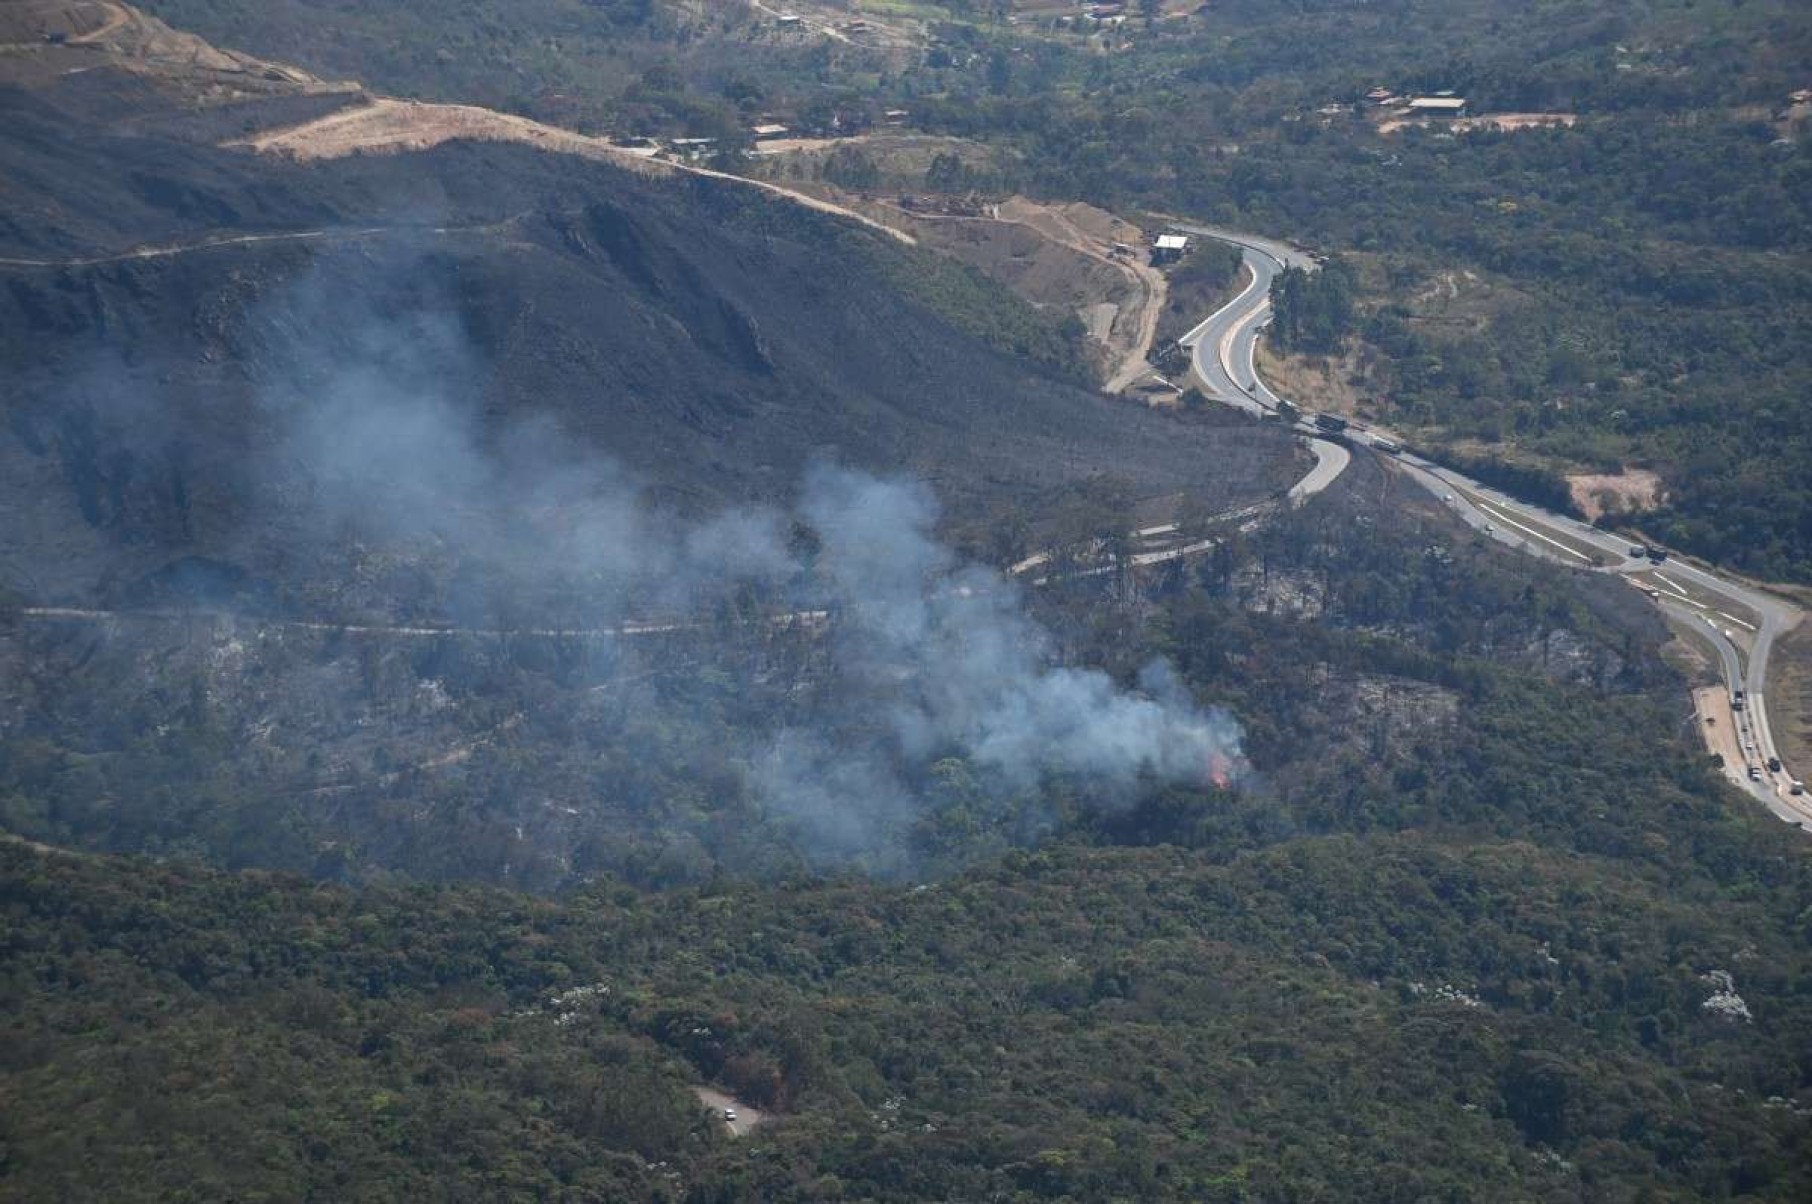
(379,457)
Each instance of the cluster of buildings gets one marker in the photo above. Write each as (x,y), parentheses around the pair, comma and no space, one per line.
(767,129)
(1105,15)
(1439,104)
(857,28)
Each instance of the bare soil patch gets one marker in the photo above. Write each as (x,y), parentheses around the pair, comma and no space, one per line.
(1507,122)
(747,1118)
(1717,727)
(385,126)
(137,40)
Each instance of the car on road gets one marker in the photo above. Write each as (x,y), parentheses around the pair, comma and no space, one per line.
(1490,530)
(1796,787)
(1657,555)
(1638,551)
(1755,775)
(1774,764)
(729,1114)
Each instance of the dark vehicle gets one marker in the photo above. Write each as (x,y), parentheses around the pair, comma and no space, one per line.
(1774,764)
(1638,551)
(1657,555)
(1331,423)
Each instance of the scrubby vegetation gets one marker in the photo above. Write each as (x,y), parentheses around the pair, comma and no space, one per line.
(352,910)
(1479,918)
(1662,235)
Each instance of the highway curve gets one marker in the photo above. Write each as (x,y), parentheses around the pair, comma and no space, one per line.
(1738,621)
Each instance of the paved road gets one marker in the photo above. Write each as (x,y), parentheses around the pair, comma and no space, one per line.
(625,630)
(1739,622)
(1223,346)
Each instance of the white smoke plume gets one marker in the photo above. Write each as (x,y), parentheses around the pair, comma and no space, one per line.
(378,456)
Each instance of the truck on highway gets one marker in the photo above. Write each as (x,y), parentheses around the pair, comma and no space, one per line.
(1657,555)
(1386,446)
(1333,424)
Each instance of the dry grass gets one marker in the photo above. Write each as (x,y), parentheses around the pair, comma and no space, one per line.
(1320,382)
(1631,491)
(1790,696)
(386,126)
(1057,256)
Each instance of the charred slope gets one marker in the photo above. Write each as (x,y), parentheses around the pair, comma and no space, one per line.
(710,340)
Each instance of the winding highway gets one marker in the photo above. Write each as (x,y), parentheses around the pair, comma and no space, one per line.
(1737,621)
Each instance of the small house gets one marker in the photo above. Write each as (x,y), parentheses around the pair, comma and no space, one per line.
(1168,248)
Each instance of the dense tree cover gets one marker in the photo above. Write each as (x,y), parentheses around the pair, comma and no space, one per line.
(1659,241)
(1458,932)
(1332,1017)
(1312,311)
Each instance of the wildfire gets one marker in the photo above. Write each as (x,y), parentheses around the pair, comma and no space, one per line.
(1220,770)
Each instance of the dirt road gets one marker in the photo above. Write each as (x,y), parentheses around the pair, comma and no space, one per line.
(390,126)
(747,1120)
(1717,725)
